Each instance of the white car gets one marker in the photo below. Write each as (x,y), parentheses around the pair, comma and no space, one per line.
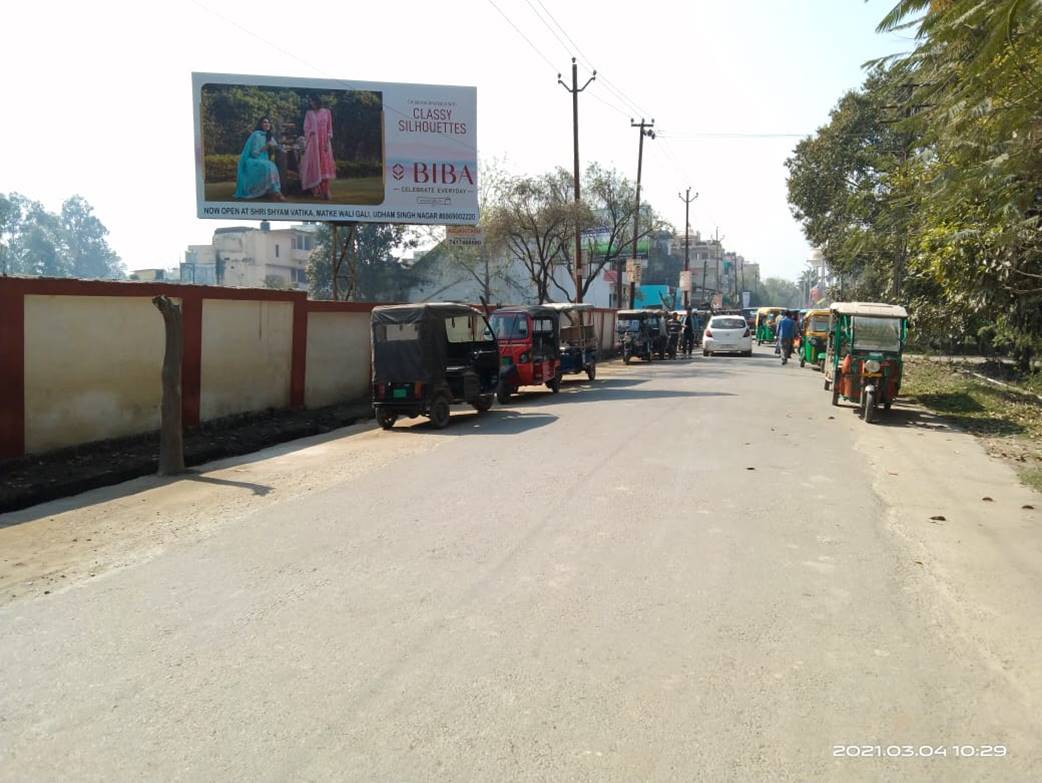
(727,334)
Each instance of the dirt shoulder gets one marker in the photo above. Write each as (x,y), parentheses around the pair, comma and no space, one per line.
(36,479)
(1007,417)
(55,546)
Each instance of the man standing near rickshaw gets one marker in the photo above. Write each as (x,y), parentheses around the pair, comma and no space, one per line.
(674,329)
(786,328)
(689,333)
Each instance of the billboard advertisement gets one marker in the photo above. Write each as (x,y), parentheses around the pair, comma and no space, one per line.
(280,148)
(596,241)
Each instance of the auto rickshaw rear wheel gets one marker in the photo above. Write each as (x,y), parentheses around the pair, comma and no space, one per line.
(554,384)
(503,394)
(591,371)
(483,403)
(803,361)
(386,418)
(440,411)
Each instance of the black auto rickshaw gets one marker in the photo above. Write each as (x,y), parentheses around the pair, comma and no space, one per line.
(658,326)
(634,331)
(429,356)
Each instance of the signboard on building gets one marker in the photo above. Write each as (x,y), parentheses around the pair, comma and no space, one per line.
(685,280)
(746,298)
(464,236)
(597,241)
(279,148)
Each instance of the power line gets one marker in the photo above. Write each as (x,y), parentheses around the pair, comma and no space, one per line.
(588,62)
(694,135)
(548,27)
(610,85)
(517,29)
(611,106)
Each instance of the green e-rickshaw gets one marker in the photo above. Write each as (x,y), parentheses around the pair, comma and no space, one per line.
(766,318)
(814,335)
(863,361)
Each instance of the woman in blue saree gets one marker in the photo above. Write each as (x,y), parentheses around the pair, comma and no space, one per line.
(257,175)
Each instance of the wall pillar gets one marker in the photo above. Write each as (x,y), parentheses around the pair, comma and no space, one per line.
(12,374)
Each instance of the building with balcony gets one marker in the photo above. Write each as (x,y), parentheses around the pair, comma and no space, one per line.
(247,257)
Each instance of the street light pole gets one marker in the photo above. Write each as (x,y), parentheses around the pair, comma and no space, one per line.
(645,130)
(575,89)
(687,199)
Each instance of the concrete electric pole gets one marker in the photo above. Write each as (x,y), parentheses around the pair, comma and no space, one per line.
(575,89)
(645,130)
(687,198)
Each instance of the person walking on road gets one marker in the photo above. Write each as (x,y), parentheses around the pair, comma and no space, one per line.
(786,328)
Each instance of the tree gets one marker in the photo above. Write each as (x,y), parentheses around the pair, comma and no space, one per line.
(535,220)
(612,200)
(171,433)
(86,246)
(357,262)
(780,293)
(34,241)
(974,82)
(484,263)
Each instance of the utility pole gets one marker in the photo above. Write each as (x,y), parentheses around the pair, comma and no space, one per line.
(687,198)
(645,130)
(718,251)
(575,89)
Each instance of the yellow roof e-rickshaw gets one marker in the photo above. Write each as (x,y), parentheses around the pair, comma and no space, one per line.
(814,336)
(765,320)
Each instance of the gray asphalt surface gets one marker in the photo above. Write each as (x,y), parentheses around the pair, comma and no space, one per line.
(682,571)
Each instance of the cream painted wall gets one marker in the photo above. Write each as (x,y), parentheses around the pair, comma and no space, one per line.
(337,359)
(247,355)
(92,369)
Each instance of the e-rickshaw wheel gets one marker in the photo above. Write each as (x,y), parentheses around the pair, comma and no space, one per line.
(440,412)
(868,402)
(591,371)
(386,418)
(483,403)
(554,384)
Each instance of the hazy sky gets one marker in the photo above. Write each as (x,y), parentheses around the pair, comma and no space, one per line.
(98,95)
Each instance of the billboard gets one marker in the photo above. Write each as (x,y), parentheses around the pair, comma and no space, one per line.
(279,148)
(596,241)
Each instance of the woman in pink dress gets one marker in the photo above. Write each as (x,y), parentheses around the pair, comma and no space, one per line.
(317,167)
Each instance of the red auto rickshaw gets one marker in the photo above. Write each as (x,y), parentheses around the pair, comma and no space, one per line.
(529,348)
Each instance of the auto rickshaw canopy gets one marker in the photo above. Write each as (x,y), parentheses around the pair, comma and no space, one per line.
(418,342)
(869,309)
(808,321)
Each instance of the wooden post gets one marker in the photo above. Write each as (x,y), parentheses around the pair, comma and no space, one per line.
(171,434)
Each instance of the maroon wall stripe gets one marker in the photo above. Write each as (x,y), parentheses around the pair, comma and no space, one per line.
(12,374)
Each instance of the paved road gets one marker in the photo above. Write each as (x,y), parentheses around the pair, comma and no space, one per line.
(685,571)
